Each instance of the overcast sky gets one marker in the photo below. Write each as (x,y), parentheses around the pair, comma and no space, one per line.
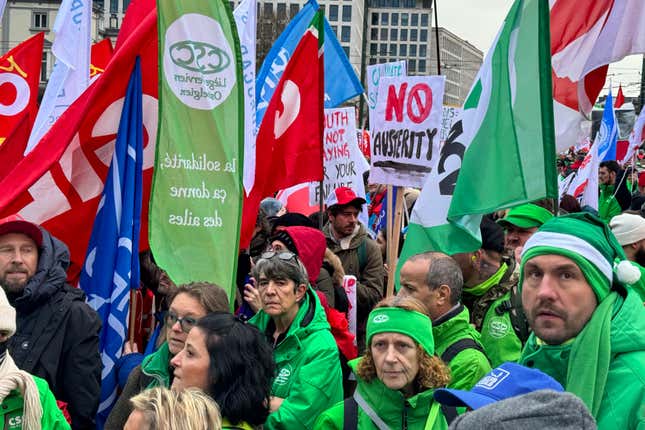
(478,21)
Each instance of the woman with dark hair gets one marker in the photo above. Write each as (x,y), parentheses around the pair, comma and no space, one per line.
(233,363)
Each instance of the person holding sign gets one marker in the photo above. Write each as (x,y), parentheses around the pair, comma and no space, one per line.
(359,254)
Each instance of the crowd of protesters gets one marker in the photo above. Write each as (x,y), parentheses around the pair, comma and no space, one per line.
(543,326)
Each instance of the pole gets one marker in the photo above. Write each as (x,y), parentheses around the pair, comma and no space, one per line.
(393,243)
(436,34)
(363,61)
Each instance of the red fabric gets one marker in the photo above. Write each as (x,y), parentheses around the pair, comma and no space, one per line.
(289,147)
(311,245)
(100,57)
(19,70)
(58,185)
(296,199)
(641,179)
(63,408)
(620,98)
(339,329)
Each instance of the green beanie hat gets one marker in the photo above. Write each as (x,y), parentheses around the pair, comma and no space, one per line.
(398,320)
(589,242)
(526,216)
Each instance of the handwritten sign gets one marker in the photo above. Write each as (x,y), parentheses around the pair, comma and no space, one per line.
(450,115)
(374,74)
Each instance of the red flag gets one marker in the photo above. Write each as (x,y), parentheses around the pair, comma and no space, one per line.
(289,143)
(100,57)
(59,183)
(620,97)
(19,77)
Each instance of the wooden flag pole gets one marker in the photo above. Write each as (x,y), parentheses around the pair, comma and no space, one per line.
(394,233)
(133,315)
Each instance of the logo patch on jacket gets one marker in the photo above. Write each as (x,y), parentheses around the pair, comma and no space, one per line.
(498,327)
(283,375)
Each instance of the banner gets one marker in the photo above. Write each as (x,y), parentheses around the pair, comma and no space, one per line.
(19,78)
(374,74)
(608,132)
(71,73)
(111,267)
(636,137)
(450,115)
(197,188)
(584,185)
(407,119)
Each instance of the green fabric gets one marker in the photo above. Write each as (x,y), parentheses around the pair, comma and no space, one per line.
(470,365)
(157,365)
(481,289)
(397,320)
(608,206)
(197,191)
(308,373)
(390,405)
(498,336)
(604,365)
(639,286)
(526,216)
(11,410)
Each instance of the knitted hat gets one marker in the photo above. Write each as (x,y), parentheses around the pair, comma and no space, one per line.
(628,228)
(492,235)
(7,315)
(588,241)
(526,216)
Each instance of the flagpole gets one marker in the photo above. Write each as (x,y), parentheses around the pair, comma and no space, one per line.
(436,33)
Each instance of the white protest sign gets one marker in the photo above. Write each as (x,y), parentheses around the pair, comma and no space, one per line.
(405,133)
(450,115)
(374,74)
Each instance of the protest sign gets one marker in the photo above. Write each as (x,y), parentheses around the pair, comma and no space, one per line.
(450,115)
(405,129)
(363,138)
(374,74)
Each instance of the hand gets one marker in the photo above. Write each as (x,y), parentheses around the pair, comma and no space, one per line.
(130,347)
(275,404)
(252,296)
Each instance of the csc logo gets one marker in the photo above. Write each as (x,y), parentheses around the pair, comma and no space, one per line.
(22,94)
(199,57)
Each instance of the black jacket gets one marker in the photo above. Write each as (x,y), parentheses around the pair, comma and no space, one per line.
(57,336)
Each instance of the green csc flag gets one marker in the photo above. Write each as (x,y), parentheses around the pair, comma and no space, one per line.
(197,188)
(501,153)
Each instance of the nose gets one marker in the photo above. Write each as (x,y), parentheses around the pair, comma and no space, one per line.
(391,355)
(546,290)
(270,289)
(176,326)
(176,360)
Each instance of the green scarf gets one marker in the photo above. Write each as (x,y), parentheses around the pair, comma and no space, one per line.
(481,289)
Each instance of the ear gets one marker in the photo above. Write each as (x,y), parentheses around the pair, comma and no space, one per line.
(301,290)
(443,294)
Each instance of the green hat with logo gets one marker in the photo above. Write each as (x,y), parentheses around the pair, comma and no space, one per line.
(589,243)
(525,216)
(398,320)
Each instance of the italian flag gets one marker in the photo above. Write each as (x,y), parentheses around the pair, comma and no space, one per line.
(502,151)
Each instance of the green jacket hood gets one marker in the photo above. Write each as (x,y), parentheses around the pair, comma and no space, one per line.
(157,365)
(628,325)
(451,327)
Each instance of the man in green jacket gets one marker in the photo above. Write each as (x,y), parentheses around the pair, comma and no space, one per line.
(588,329)
(613,195)
(435,279)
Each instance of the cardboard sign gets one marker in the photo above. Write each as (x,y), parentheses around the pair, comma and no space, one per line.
(405,132)
(450,115)
(374,74)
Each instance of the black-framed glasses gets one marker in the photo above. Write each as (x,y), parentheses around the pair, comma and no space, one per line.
(186,323)
(282,255)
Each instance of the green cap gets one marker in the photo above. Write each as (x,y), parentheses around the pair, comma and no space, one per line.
(398,320)
(525,216)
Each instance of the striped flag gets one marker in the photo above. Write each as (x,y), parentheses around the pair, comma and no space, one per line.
(111,267)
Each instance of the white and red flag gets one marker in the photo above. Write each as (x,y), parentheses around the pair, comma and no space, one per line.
(58,185)
(289,143)
(584,186)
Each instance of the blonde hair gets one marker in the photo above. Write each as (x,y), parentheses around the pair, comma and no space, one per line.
(189,409)
(433,372)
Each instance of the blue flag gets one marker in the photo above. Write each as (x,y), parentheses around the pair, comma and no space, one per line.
(341,83)
(111,266)
(608,133)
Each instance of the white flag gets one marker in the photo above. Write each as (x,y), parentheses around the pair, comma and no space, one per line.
(71,73)
(636,137)
(245,20)
(584,186)
(3,3)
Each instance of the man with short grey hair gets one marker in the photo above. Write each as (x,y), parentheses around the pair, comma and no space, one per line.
(436,280)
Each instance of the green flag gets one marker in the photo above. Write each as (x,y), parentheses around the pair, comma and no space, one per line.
(501,153)
(197,188)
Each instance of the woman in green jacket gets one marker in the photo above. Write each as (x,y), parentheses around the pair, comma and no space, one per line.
(396,376)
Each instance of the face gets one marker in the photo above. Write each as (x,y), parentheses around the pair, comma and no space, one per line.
(395,359)
(606,176)
(279,246)
(191,364)
(517,236)
(189,310)
(382,243)
(639,256)
(557,299)
(344,222)
(18,261)
(413,283)
(279,296)
(136,421)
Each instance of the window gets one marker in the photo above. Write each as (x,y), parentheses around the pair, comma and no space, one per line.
(403,50)
(293,10)
(404,34)
(413,34)
(374,18)
(413,50)
(383,49)
(422,66)
(395,18)
(374,34)
(423,50)
(394,34)
(385,18)
(126,3)
(423,36)
(346,49)
(372,61)
(404,19)
(282,10)
(424,20)
(39,20)
(333,12)
(43,67)
(393,50)
(334,28)
(384,34)
(412,66)
(414,20)
(268,10)
(345,33)
(114,6)
(347,13)
(373,49)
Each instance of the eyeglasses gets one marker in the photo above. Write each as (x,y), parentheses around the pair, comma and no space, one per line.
(282,255)
(186,323)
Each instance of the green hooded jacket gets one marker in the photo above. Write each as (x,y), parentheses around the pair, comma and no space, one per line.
(623,402)
(470,365)
(11,410)
(308,374)
(608,206)
(390,405)
(498,336)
